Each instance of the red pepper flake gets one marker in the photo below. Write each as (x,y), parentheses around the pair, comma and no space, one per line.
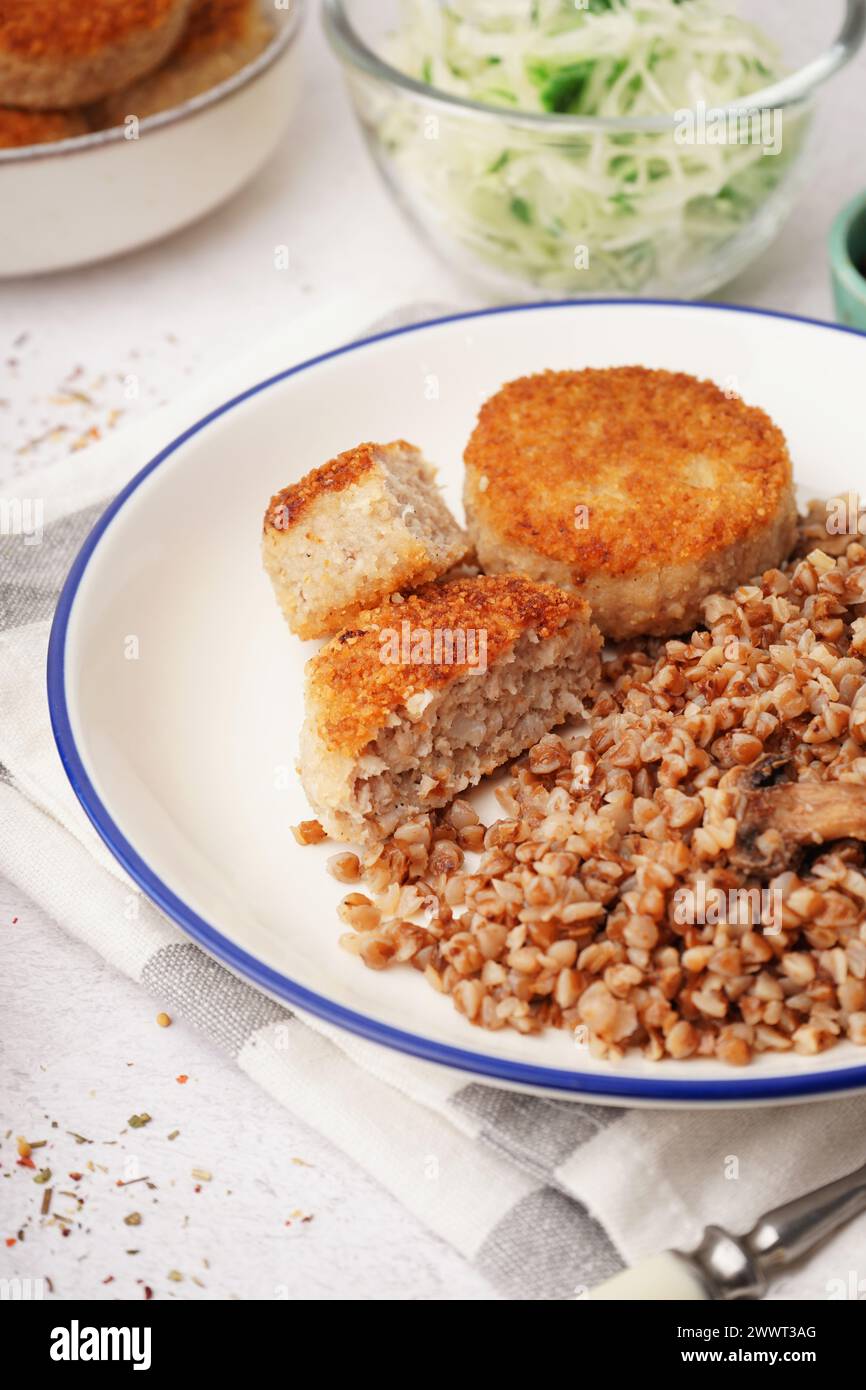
(197,1187)
(182,1079)
(10,1241)
(64,1230)
(26,1163)
(148,1293)
(14,921)
(109,1280)
(76,1177)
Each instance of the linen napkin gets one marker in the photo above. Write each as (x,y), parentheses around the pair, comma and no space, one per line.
(546,1197)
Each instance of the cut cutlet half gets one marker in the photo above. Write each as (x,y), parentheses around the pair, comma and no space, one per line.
(645,490)
(355,531)
(418,701)
(63,53)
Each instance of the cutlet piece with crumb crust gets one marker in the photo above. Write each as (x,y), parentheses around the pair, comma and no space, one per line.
(222,37)
(62,53)
(645,490)
(354,531)
(417,702)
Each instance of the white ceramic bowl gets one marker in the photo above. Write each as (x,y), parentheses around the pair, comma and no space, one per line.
(81,200)
(184,757)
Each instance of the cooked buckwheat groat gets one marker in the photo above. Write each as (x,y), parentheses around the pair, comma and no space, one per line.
(418,701)
(222,36)
(21,128)
(353,532)
(645,490)
(62,53)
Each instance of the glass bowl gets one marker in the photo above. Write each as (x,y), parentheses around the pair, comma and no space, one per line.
(521,201)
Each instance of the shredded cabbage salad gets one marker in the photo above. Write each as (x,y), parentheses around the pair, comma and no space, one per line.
(584,212)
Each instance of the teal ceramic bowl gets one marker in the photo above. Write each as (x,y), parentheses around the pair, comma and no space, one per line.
(848,264)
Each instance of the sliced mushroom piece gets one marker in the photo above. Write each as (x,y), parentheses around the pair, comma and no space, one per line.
(775,824)
(768,771)
(852,853)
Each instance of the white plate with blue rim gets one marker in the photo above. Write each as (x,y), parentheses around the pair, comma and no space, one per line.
(175,687)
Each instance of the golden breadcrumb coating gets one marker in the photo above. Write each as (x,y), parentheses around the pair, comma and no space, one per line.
(71,28)
(668,466)
(288,506)
(21,128)
(213,23)
(66,53)
(354,691)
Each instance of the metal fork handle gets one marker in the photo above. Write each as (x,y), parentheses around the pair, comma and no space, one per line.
(736,1267)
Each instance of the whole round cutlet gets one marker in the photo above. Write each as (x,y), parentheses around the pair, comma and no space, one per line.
(65,53)
(396,725)
(646,490)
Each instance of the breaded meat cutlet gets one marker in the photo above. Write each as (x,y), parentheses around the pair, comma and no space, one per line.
(222,37)
(21,128)
(354,531)
(64,53)
(645,490)
(415,703)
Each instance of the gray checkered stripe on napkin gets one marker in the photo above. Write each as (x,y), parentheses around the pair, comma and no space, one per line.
(546,1245)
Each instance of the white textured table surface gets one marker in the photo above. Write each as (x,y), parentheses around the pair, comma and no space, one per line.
(284,1214)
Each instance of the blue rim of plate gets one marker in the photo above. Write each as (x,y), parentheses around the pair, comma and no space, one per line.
(620,1088)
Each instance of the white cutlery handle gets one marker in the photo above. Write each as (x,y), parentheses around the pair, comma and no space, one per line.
(665,1276)
(729,1267)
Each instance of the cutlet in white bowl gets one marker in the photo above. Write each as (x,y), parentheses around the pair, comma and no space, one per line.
(222,37)
(62,53)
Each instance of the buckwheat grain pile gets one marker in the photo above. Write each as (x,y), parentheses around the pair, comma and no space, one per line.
(564,913)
